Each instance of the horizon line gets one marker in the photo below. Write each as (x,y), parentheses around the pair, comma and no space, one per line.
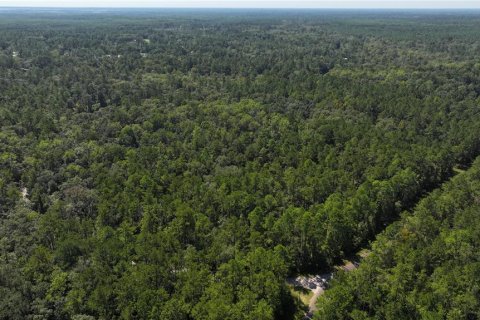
(228,7)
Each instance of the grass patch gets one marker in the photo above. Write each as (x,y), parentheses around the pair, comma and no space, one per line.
(300,294)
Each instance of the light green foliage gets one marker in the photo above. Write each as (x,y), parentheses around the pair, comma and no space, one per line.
(425,266)
(185,177)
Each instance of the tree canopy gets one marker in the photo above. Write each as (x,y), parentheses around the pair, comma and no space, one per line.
(181,164)
(425,266)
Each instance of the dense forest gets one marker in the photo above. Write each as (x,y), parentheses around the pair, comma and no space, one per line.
(425,266)
(180,164)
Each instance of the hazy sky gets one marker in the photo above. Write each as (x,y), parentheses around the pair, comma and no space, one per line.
(248,3)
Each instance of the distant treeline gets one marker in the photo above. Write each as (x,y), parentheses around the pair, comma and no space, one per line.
(180,166)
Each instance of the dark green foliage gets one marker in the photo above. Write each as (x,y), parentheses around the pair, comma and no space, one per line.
(179,165)
(425,266)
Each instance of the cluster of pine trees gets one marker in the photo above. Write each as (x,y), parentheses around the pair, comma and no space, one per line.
(180,165)
(425,266)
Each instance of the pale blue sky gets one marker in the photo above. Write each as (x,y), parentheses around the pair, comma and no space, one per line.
(247,3)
